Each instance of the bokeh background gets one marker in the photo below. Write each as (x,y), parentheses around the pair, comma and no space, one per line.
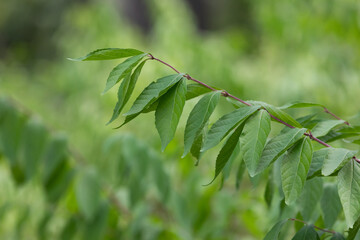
(272,51)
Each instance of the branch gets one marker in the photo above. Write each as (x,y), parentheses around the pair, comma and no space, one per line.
(227,94)
(321,229)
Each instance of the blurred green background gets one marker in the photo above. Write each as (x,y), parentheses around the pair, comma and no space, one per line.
(272,51)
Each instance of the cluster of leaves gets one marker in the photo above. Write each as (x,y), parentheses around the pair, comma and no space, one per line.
(245,132)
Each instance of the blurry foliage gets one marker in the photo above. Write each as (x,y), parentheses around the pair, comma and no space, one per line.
(294,51)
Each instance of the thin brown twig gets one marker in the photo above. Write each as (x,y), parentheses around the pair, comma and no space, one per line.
(321,229)
(227,94)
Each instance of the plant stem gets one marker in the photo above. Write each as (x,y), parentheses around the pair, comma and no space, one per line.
(227,94)
(321,229)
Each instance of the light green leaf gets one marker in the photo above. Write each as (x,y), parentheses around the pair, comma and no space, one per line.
(87,191)
(168,112)
(306,233)
(277,146)
(310,197)
(330,205)
(273,234)
(227,150)
(300,105)
(322,128)
(349,191)
(151,93)
(294,169)
(198,118)
(225,124)
(335,159)
(125,90)
(256,131)
(108,54)
(194,90)
(122,70)
(280,114)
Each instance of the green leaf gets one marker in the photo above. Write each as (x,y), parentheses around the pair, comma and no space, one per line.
(310,197)
(280,114)
(317,162)
(239,174)
(352,129)
(306,233)
(269,191)
(198,118)
(87,191)
(225,124)
(151,93)
(194,90)
(33,144)
(300,105)
(330,205)
(273,234)
(196,147)
(277,146)
(335,159)
(338,236)
(108,54)
(353,232)
(294,169)
(349,191)
(69,230)
(227,150)
(122,70)
(125,90)
(256,131)
(169,111)
(322,128)
(96,228)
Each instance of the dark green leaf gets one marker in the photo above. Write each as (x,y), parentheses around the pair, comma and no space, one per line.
(273,234)
(277,146)
(196,147)
(239,174)
(169,111)
(280,114)
(349,191)
(256,131)
(306,233)
(294,169)
(317,162)
(354,230)
(108,54)
(225,124)
(337,236)
(330,205)
(122,70)
(125,90)
(227,150)
(198,118)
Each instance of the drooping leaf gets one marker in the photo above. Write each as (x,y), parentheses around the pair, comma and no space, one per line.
(277,146)
(300,105)
(352,129)
(87,191)
(330,205)
(197,145)
(227,150)
(240,173)
(335,159)
(152,92)
(125,90)
(322,128)
(194,90)
(225,124)
(228,166)
(306,233)
(273,234)
(108,54)
(332,136)
(95,229)
(353,231)
(269,191)
(310,197)
(255,132)
(198,118)
(294,169)
(349,191)
(168,112)
(122,70)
